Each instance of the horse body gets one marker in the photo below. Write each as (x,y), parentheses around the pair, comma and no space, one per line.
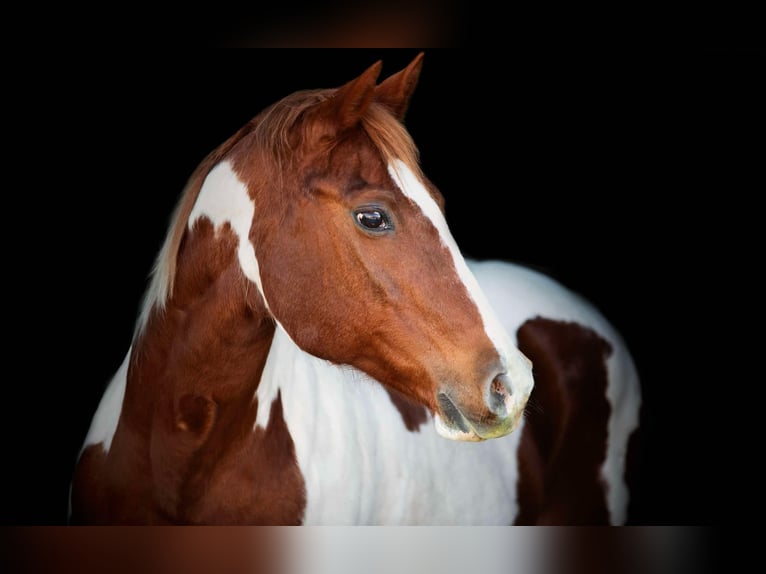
(584,361)
(312,337)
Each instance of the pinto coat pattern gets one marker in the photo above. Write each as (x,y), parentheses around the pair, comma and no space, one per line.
(314,349)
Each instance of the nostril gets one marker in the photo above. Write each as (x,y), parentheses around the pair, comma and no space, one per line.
(499,395)
(498,387)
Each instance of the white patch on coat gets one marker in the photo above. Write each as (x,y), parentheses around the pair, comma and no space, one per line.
(517,294)
(360,463)
(224,199)
(104,423)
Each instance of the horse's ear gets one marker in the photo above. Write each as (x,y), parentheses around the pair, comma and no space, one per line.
(395,91)
(350,101)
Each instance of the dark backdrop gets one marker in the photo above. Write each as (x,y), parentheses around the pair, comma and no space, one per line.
(611,173)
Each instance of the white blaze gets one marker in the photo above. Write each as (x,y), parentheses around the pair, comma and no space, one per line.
(517,366)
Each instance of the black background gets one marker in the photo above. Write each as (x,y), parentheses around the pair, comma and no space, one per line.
(627,177)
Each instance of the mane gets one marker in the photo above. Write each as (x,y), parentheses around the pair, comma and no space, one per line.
(269,132)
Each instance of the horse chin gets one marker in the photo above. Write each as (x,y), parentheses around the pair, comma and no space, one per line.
(459,432)
(462,430)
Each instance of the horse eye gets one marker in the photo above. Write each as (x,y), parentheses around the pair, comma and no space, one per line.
(372,219)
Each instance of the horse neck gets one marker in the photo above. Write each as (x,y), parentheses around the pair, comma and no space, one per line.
(201,356)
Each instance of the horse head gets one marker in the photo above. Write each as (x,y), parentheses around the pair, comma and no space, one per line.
(353,257)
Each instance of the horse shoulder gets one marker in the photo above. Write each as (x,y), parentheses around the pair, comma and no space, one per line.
(584,407)
(87,492)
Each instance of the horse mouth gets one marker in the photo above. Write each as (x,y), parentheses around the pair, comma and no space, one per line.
(452,424)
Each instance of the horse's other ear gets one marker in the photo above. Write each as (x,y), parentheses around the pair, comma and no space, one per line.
(395,91)
(350,101)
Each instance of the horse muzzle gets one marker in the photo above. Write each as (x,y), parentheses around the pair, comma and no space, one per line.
(499,414)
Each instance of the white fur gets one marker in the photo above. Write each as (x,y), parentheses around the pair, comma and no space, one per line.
(518,293)
(104,423)
(361,465)
(515,363)
(224,199)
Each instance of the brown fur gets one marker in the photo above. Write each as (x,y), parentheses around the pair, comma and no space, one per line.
(185,448)
(413,415)
(273,135)
(416,314)
(563,444)
(167,262)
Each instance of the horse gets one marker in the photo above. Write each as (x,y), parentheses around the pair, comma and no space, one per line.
(313,348)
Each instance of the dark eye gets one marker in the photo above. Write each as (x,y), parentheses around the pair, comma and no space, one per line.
(372,219)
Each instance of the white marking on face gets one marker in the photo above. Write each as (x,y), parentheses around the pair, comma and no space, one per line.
(516,364)
(224,198)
